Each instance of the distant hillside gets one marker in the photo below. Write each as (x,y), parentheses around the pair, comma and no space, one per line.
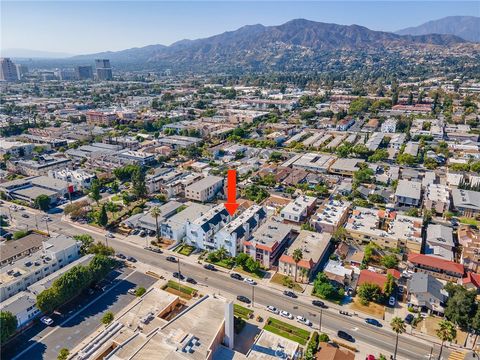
(297,44)
(27,53)
(466,27)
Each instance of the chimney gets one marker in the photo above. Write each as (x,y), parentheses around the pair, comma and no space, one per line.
(228,339)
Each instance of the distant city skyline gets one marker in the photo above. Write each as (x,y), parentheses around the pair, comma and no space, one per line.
(74,27)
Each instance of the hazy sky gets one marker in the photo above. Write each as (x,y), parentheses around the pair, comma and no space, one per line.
(90,26)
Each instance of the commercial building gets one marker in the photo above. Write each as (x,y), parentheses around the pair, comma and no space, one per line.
(55,254)
(8,71)
(29,188)
(104,70)
(346,167)
(268,242)
(15,148)
(105,118)
(205,189)
(41,166)
(299,209)
(330,216)
(315,250)
(84,72)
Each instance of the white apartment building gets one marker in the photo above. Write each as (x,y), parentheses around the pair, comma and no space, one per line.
(55,254)
(80,179)
(205,189)
(389,126)
(201,231)
(232,235)
(299,209)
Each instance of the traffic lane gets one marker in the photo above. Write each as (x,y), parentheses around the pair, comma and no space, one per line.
(80,325)
(382,338)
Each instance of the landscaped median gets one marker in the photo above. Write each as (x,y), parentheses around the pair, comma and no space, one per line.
(183,291)
(287,331)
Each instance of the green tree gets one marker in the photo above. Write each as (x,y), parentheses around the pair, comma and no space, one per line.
(95,191)
(460,308)
(107,318)
(389,285)
(156,212)
(406,159)
(8,325)
(63,354)
(398,327)
(42,202)
(389,261)
(297,256)
(138,183)
(103,217)
(446,332)
(252,265)
(140,291)
(87,242)
(369,292)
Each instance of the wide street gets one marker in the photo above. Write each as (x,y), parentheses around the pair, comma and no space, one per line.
(381,338)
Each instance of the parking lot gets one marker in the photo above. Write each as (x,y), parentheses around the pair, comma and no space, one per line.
(77,320)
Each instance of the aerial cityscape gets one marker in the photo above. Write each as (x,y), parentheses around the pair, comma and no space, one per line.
(240,180)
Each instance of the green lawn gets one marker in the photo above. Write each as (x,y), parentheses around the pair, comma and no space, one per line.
(185,249)
(287,331)
(240,311)
(182,288)
(259,274)
(469,221)
(280,280)
(116,198)
(222,263)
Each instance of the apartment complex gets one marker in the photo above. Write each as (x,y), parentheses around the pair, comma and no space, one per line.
(204,189)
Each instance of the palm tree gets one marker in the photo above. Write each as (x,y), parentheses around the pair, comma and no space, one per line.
(156,212)
(222,253)
(297,256)
(398,326)
(303,273)
(446,332)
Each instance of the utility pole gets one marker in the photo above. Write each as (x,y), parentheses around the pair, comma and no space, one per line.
(320,322)
(36,220)
(253,295)
(46,224)
(106,240)
(179,273)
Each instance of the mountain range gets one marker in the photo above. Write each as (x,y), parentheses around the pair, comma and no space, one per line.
(296,43)
(466,27)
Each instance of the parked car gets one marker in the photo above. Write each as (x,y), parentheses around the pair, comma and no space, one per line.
(178,275)
(236,276)
(151,232)
(345,336)
(290,294)
(303,321)
(373,322)
(272,309)
(191,280)
(131,291)
(46,320)
(370,357)
(209,267)
(26,216)
(409,318)
(243,299)
(142,233)
(131,259)
(318,303)
(121,256)
(286,314)
(392,301)
(110,235)
(346,313)
(250,281)
(172,259)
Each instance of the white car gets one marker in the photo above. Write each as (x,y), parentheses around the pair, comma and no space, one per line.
(304,321)
(286,314)
(131,291)
(272,309)
(46,320)
(110,235)
(250,281)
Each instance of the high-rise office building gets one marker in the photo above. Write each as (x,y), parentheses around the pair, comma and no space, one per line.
(8,71)
(84,72)
(104,70)
(22,70)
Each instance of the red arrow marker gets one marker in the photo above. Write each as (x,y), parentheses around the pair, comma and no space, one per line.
(231,204)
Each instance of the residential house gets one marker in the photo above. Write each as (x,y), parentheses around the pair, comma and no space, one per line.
(426,293)
(408,193)
(439,241)
(466,202)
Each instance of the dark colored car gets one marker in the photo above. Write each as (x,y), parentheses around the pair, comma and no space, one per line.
(121,256)
(209,267)
(172,259)
(236,276)
(191,280)
(373,322)
(243,299)
(318,303)
(290,294)
(409,318)
(345,336)
(131,259)
(178,275)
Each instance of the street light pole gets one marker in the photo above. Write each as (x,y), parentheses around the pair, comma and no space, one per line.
(179,274)
(320,322)
(36,221)
(106,240)
(253,295)
(46,224)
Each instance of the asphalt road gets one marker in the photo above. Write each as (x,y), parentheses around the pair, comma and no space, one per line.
(78,321)
(382,338)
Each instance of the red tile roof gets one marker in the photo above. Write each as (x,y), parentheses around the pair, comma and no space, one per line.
(370,277)
(472,278)
(395,273)
(437,263)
